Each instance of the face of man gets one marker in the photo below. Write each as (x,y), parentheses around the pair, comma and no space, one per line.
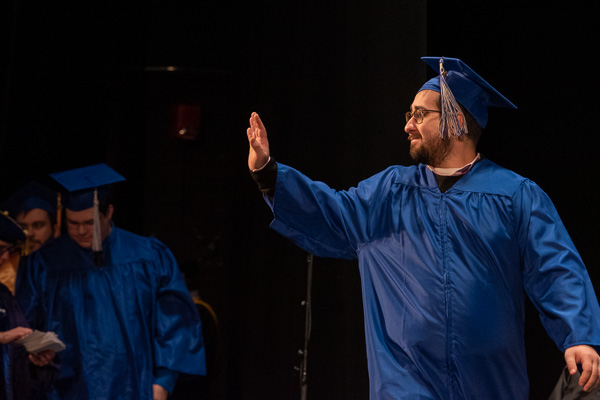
(80,225)
(426,145)
(38,226)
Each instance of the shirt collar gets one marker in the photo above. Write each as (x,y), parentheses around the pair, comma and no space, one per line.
(455,171)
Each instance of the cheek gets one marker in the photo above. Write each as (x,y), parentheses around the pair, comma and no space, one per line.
(73,231)
(43,233)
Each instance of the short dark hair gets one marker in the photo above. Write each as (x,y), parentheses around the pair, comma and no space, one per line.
(103,207)
(474,129)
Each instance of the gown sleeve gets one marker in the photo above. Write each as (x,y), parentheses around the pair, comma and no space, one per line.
(322,220)
(555,277)
(178,343)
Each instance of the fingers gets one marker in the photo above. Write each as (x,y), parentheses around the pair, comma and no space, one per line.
(15,334)
(256,126)
(259,123)
(590,377)
(252,131)
(259,145)
(42,358)
(571,363)
(586,373)
(39,359)
(589,360)
(24,332)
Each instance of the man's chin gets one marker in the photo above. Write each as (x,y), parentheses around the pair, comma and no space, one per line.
(418,155)
(84,244)
(33,247)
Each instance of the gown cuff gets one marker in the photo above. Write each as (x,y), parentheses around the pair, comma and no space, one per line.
(166,378)
(266,177)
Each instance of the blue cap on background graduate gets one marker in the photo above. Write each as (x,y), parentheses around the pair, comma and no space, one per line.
(457,84)
(87,188)
(31,196)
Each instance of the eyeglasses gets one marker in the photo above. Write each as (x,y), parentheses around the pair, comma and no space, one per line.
(418,115)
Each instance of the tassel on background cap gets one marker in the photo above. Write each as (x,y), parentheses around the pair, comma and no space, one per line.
(25,247)
(97,239)
(58,212)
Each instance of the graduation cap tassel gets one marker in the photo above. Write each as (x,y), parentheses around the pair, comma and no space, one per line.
(449,122)
(58,212)
(25,246)
(97,239)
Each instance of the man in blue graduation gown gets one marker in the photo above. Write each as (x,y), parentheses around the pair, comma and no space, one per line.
(446,250)
(116,299)
(33,207)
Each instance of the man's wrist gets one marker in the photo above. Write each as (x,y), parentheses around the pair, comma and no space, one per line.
(264,165)
(266,177)
(166,379)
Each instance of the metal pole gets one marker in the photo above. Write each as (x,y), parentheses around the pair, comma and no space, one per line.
(307,329)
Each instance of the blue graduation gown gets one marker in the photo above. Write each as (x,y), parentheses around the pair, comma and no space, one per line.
(126,325)
(443,274)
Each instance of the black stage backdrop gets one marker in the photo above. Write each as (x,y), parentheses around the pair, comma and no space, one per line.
(84,84)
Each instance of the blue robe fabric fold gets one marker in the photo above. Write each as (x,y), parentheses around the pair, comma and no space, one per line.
(126,325)
(444,274)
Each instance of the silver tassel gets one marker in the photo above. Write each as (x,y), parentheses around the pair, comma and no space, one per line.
(449,122)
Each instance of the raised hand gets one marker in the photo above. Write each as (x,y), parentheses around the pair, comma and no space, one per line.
(259,144)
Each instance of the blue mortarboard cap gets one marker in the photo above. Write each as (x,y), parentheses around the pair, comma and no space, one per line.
(10,231)
(32,195)
(468,88)
(82,182)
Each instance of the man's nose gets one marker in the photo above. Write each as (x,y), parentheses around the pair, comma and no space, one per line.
(411,126)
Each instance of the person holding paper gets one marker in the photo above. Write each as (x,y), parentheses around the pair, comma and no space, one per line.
(24,376)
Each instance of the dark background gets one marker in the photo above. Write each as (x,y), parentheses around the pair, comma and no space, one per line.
(88,83)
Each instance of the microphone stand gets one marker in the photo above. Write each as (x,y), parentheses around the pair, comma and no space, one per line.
(307,329)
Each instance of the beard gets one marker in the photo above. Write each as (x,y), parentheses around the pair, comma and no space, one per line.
(432,152)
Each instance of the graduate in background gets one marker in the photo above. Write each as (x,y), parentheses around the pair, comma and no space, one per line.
(116,299)
(34,208)
(23,376)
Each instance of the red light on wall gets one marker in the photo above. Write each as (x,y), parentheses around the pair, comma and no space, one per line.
(187,121)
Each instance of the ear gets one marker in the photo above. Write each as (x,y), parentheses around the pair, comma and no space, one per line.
(109,211)
(461,119)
